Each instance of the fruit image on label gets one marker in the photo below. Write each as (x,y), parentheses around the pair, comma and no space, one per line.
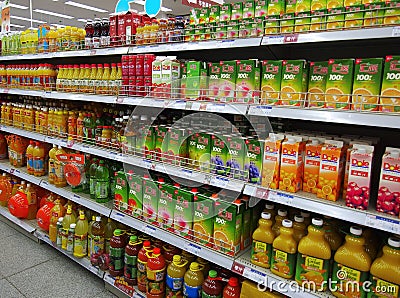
(310,269)
(261,253)
(283,262)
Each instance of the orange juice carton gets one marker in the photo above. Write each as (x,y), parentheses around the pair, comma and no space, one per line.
(339,83)
(330,170)
(312,161)
(292,164)
(290,6)
(302,21)
(334,4)
(317,5)
(248,81)
(213,16)
(272,160)
(391,16)
(287,23)
(303,5)
(389,184)
(359,178)
(390,94)
(227,82)
(225,12)
(276,7)
(374,13)
(271,71)
(194,16)
(335,18)
(354,17)
(237,11)
(248,9)
(271,25)
(203,218)
(260,8)
(318,20)
(213,83)
(367,84)
(317,84)
(294,82)
(347,3)
(204,15)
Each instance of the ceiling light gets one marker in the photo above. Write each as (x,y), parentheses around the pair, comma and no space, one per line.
(82,20)
(26,19)
(140,2)
(84,6)
(165,9)
(18,6)
(53,14)
(17,26)
(58,25)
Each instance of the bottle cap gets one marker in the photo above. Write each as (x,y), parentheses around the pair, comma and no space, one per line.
(394,242)
(233,281)
(146,243)
(157,251)
(194,266)
(298,218)
(266,215)
(317,222)
(117,232)
(357,231)
(176,258)
(269,206)
(282,212)
(212,274)
(60,219)
(287,223)
(72,226)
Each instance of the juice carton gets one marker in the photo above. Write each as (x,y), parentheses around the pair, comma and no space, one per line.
(209,31)
(347,3)
(121,191)
(276,7)
(254,160)
(317,5)
(204,15)
(317,83)
(272,161)
(373,14)
(354,17)
(330,170)
(287,23)
(271,72)
(271,25)
(219,155)
(303,5)
(166,206)
(246,224)
(260,8)
(228,226)
(194,16)
(227,83)
(214,13)
(318,20)
(189,32)
(335,18)
(160,142)
(390,94)
(391,16)
(135,197)
(196,81)
(367,84)
(339,83)
(225,12)
(171,73)
(203,219)
(192,143)
(177,146)
(237,152)
(389,184)
(149,143)
(248,81)
(232,29)
(248,9)
(292,164)
(312,161)
(183,79)
(213,83)
(237,11)
(156,75)
(294,82)
(334,4)
(290,6)
(198,31)
(220,30)
(245,28)
(203,152)
(256,27)
(151,195)
(359,179)
(183,214)
(302,22)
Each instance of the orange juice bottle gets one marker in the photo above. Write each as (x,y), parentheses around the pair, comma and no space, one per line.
(283,262)
(32,201)
(313,259)
(80,127)
(60,77)
(29,158)
(44,118)
(75,79)
(282,214)
(69,79)
(351,266)
(92,79)
(332,234)
(118,80)
(85,79)
(105,80)
(385,271)
(299,228)
(272,160)
(99,79)
(38,160)
(52,164)
(112,83)
(263,237)
(270,208)
(57,211)
(72,127)
(29,118)
(307,217)
(59,170)
(5,189)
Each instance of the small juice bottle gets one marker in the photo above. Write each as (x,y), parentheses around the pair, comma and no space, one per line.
(85,79)
(97,238)
(72,126)
(81,235)
(193,281)
(232,289)
(80,127)
(299,228)
(282,214)
(212,286)
(263,237)
(60,77)
(75,79)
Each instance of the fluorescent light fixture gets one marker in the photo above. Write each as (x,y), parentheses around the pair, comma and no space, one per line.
(26,19)
(84,6)
(18,6)
(82,20)
(165,9)
(17,26)
(64,16)
(140,2)
(58,25)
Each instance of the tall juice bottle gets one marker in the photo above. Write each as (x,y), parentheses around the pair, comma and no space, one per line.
(57,211)
(97,238)
(117,253)
(72,127)
(69,218)
(60,77)
(130,260)
(313,259)
(212,286)
(205,266)
(60,180)
(69,79)
(59,232)
(102,183)
(142,266)
(79,127)
(282,214)
(75,79)
(283,262)
(50,122)
(108,233)
(385,271)
(193,281)
(307,217)
(5,190)
(38,160)
(299,228)
(155,271)
(32,201)
(270,208)
(81,236)
(351,265)
(99,79)
(44,118)
(263,237)
(52,160)
(332,235)
(112,83)
(90,236)
(92,79)
(92,181)
(29,158)
(372,242)
(232,289)
(118,80)
(105,80)
(174,280)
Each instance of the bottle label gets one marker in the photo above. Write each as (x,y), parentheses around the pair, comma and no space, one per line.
(59,237)
(92,186)
(312,271)
(192,292)
(130,270)
(80,245)
(141,273)
(205,295)
(64,238)
(31,197)
(70,242)
(155,275)
(174,284)
(261,253)
(97,245)
(117,252)
(88,43)
(117,258)
(346,279)
(107,246)
(101,189)
(38,164)
(382,288)
(155,287)
(283,262)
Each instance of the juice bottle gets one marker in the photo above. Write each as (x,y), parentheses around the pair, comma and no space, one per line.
(79,127)
(56,212)
(205,265)
(175,273)
(142,265)
(283,262)
(313,259)
(90,236)
(52,160)
(282,214)
(212,286)
(270,208)
(32,201)
(351,264)
(372,242)
(108,233)
(81,234)
(72,127)
(263,237)
(188,256)
(5,189)
(60,77)
(232,289)
(102,183)
(117,251)
(193,281)
(307,217)
(59,232)
(92,79)
(70,238)
(332,235)
(118,80)
(130,260)
(99,79)
(92,181)
(299,228)
(60,180)
(29,158)
(105,80)
(38,160)
(385,271)
(155,271)
(112,82)
(97,238)
(69,218)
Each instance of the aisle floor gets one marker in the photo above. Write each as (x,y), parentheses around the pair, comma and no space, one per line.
(29,269)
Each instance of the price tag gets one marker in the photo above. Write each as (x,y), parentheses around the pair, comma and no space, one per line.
(94,270)
(70,144)
(382,223)
(16,171)
(216,107)
(238,268)
(44,183)
(148,164)
(221,182)
(115,156)
(177,104)
(118,214)
(76,198)
(261,110)
(109,279)
(396,32)
(187,173)
(268,40)
(120,99)
(92,52)
(281,198)
(6,90)
(149,230)
(262,193)
(255,275)
(192,248)
(290,38)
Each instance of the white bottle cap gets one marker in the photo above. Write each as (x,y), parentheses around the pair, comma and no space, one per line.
(269,206)
(266,215)
(28,185)
(357,231)
(287,223)
(298,218)
(317,222)
(305,214)
(72,226)
(60,219)
(282,212)
(23,182)
(98,218)
(394,242)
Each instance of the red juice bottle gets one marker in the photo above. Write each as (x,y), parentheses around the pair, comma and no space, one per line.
(156,275)
(142,265)
(232,289)
(212,286)
(89,34)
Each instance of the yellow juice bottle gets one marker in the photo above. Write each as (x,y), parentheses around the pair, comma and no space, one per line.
(283,261)
(50,122)
(52,166)
(313,259)
(263,237)
(60,77)
(351,266)
(81,236)
(56,212)
(44,118)
(32,201)
(299,228)
(29,158)
(80,127)
(59,170)
(29,118)
(118,81)
(69,218)
(75,79)
(92,79)
(112,83)
(81,77)
(104,86)
(282,214)
(69,79)
(38,160)
(64,122)
(99,79)
(85,79)
(270,208)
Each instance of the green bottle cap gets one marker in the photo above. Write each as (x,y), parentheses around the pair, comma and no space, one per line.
(212,274)
(132,239)
(117,232)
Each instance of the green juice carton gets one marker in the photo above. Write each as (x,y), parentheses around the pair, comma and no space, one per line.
(227,82)
(317,5)
(228,226)
(354,17)
(121,192)
(192,151)
(204,15)
(184,212)
(219,155)
(367,84)
(391,16)
(248,9)
(232,29)
(214,13)
(166,205)
(196,82)
(248,81)
(246,224)
(335,18)
(339,84)
(177,146)
(334,4)
(373,14)
(135,200)
(261,8)
(214,80)
(303,6)
(225,12)
(257,27)
(183,79)
(189,32)
(151,195)
(291,6)
(209,30)
(317,83)
(237,154)
(287,23)
(271,72)
(160,142)
(294,82)
(220,30)
(198,31)
(149,143)
(276,7)
(271,25)
(203,152)
(194,16)
(390,95)
(244,28)
(302,22)
(237,11)
(347,3)
(254,160)
(203,218)
(318,20)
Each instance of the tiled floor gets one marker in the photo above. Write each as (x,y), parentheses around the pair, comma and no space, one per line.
(29,269)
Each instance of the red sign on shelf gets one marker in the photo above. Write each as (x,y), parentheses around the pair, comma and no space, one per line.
(199,3)
(238,268)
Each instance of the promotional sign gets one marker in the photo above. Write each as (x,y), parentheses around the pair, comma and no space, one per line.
(5,16)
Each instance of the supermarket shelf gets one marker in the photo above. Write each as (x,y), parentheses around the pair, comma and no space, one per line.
(79,97)
(110,280)
(21,91)
(23,133)
(198,250)
(24,224)
(310,202)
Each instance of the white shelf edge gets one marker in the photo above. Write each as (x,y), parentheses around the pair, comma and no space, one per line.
(22,224)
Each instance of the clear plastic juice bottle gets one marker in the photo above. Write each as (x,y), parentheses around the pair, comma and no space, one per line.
(105,80)
(60,77)
(92,79)
(108,233)
(97,238)
(299,228)
(69,218)
(79,127)
(102,183)
(85,79)
(75,79)
(263,237)
(92,174)
(72,125)
(81,234)
(112,82)
(90,238)
(282,214)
